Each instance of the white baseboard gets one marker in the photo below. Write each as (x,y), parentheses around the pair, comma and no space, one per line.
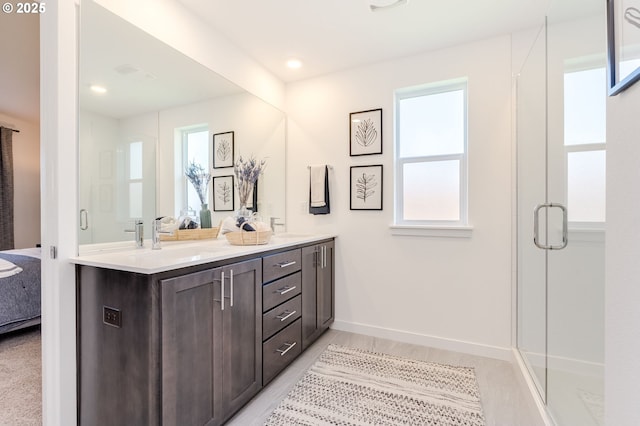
(567,365)
(523,376)
(488,351)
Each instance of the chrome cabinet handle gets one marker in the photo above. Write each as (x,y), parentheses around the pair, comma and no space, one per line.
(324,257)
(286,263)
(231,284)
(285,290)
(84,217)
(286,316)
(565,227)
(284,351)
(222,290)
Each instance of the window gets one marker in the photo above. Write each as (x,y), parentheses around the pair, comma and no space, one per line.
(195,147)
(135,180)
(431,155)
(584,142)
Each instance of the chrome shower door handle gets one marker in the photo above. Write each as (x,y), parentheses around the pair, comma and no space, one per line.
(565,226)
(84,219)
(536,226)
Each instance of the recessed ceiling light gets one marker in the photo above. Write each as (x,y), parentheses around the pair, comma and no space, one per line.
(294,63)
(98,89)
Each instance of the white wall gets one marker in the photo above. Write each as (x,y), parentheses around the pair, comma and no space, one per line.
(26,175)
(447,292)
(622,294)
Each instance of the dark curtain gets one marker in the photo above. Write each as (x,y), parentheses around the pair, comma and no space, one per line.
(6,192)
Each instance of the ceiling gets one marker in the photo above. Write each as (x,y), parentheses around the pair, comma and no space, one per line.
(327,35)
(331,35)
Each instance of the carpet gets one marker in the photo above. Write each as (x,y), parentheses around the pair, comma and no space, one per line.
(20,378)
(349,386)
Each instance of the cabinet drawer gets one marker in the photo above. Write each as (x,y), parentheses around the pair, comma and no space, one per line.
(280,350)
(281,316)
(280,291)
(281,264)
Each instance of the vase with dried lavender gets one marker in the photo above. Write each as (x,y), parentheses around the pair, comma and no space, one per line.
(199,178)
(247,172)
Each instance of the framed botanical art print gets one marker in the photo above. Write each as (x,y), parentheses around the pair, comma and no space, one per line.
(223,150)
(623,44)
(223,194)
(365,129)
(366,187)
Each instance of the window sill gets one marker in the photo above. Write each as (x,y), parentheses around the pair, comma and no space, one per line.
(432,231)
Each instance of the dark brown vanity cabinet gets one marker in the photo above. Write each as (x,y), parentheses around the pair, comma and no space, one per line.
(211,343)
(187,349)
(282,308)
(192,346)
(318,290)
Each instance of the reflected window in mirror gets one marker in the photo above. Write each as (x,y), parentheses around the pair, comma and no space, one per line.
(135,180)
(195,147)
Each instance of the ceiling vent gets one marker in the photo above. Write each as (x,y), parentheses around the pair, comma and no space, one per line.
(126,69)
(379,5)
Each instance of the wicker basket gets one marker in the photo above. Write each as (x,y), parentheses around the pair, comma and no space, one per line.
(248,238)
(191,234)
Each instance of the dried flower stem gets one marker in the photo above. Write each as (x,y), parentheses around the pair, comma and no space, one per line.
(199,178)
(247,173)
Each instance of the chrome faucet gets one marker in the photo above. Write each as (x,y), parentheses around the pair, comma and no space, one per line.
(139,231)
(155,236)
(273,223)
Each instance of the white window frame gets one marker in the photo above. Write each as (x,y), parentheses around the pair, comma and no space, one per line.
(436,228)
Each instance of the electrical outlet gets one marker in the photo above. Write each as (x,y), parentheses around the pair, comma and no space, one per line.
(112,316)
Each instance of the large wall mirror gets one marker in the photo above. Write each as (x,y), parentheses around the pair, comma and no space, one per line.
(147,110)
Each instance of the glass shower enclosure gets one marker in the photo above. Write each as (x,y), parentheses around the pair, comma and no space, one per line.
(560,156)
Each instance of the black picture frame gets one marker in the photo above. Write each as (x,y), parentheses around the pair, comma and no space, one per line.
(623,18)
(223,145)
(365,185)
(223,194)
(365,132)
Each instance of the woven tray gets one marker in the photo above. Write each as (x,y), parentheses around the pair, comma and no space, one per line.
(244,238)
(191,234)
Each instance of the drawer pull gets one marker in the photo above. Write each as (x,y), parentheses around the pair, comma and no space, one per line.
(286,316)
(285,290)
(284,351)
(285,264)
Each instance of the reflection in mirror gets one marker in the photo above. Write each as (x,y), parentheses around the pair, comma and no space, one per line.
(154,111)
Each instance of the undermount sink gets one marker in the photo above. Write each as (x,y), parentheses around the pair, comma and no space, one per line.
(291,235)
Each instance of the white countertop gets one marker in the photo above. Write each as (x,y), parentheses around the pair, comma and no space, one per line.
(180,254)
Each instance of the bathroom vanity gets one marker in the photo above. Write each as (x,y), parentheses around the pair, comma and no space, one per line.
(189,334)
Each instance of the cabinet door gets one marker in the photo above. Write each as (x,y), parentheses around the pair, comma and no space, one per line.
(326,286)
(310,328)
(242,333)
(317,291)
(191,350)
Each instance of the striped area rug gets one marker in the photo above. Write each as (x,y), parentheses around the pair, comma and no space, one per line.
(349,386)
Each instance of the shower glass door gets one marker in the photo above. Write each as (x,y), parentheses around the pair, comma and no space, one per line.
(561,152)
(576,153)
(531,191)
